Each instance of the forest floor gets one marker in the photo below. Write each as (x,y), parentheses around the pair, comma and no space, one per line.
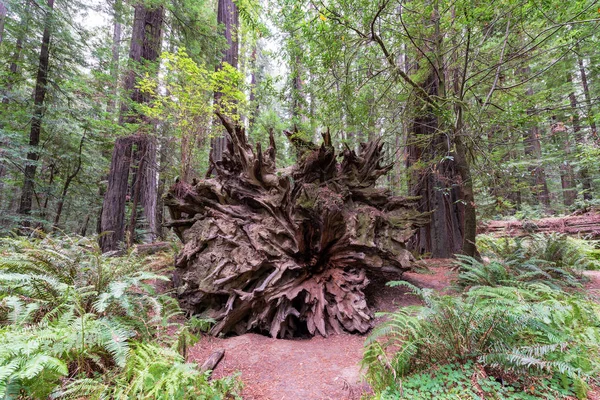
(315,368)
(324,368)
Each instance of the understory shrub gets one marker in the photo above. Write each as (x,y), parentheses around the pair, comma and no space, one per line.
(523,335)
(552,259)
(72,319)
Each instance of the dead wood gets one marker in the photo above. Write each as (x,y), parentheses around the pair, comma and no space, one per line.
(286,252)
(212,360)
(578,224)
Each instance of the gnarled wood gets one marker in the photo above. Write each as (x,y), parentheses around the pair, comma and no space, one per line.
(287,252)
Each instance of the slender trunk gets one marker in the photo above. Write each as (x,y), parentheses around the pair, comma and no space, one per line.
(44,207)
(533,150)
(228,16)
(114,68)
(584,174)
(588,97)
(83,230)
(561,136)
(66,185)
(3,12)
(38,113)
(16,57)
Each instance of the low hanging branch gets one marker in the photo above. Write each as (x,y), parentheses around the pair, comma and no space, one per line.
(288,252)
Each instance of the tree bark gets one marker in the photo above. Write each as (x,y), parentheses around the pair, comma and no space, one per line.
(533,150)
(113,207)
(145,46)
(38,114)
(3,12)
(561,136)
(228,16)
(434,178)
(114,68)
(584,174)
(588,98)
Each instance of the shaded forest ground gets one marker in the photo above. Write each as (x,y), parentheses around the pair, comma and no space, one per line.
(324,368)
(316,368)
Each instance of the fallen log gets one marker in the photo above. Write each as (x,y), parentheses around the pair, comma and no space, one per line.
(288,252)
(586,224)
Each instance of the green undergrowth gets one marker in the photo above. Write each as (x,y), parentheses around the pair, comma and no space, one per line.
(521,329)
(77,324)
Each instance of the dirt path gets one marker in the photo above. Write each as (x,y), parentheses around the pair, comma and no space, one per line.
(316,368)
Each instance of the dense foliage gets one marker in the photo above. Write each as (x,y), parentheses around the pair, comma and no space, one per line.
(515,332)
(76,323)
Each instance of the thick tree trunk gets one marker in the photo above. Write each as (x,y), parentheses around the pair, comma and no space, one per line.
(145,46)
(113,207)
(288,252)
(228,16)
(436,180)
(38,114)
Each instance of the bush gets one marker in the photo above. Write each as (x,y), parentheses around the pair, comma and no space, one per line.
(528,331)
(554,260)
(70,317)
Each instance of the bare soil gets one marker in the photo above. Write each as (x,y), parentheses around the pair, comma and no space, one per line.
(316,368)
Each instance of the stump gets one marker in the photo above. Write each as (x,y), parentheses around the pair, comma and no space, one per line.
(288,252)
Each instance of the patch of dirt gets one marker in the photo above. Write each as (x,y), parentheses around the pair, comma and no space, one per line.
(317,368)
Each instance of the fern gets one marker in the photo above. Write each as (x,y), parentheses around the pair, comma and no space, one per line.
(67,313)
(530,329)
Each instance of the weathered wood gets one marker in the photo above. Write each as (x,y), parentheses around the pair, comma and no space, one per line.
(579,224)
(151,248)
(289,251)
(212,360)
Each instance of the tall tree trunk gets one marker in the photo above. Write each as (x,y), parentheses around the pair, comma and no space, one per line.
(561,136)
(228,16)
(145,46)
(588,98)
(584,174)
(3,12)
(435,182)
(114,68)
(113,207)
(533,150)
(38,113)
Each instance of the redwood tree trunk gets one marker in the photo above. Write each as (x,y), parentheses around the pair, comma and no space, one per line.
(39,95)
(436,180)
(228,16)
(145,46)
